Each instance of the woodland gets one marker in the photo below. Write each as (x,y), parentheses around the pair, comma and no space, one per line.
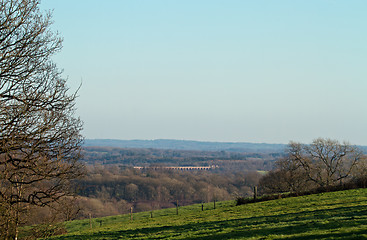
(112,185)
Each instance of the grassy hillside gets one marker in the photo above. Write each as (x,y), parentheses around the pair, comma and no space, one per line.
(337,215)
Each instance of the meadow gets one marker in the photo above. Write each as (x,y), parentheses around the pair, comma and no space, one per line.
(333,215)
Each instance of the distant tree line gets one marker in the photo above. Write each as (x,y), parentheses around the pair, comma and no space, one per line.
(187,145)
(227,161)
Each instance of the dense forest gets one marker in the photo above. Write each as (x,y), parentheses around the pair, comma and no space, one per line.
(112,185)
(108,190)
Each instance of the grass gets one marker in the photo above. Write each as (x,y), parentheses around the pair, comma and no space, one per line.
(336,215)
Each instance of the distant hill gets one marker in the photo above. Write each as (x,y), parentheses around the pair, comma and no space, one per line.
(192,145)
(187,145)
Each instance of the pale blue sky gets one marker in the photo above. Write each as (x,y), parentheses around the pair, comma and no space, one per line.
(248,71)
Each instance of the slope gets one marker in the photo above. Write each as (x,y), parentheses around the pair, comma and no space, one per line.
(336,215)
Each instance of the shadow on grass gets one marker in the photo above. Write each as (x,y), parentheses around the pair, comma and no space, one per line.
(300,225)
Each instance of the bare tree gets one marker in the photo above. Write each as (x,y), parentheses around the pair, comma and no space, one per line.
(40,138)
(321,164)
(326,162)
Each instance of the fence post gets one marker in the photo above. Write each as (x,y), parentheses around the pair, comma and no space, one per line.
(131,213)
(255,193)
(90,220)
(176,207)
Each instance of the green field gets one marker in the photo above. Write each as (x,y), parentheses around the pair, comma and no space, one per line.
(336,215)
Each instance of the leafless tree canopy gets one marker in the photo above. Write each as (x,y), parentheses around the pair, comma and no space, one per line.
(39,135)
(321,164)
(325,161)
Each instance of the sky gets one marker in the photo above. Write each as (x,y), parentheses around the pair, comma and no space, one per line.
(209,70)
